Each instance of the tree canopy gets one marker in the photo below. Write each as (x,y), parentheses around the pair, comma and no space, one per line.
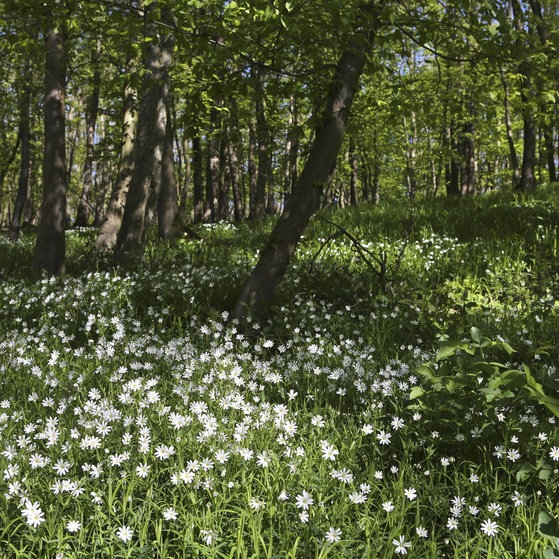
(179,112)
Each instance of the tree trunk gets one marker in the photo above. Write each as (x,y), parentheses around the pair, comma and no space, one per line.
(468,159)
(25,159)
(252,168)
(213,164)
(187,175)
(50,246)
(452,168)
(84,206)
(411,154)
(258,293)
(11,159)
(197,178)
(291,151)
(263,141)
(113,218)
(223,181)
(550,153)
(515,167)
(354,178)
(529,158)
(233,162)
(73,136)
(168,203)
(150,138)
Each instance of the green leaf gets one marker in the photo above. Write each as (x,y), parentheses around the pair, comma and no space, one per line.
(475,333)
(524,472)
(445,351)
(507,348)
(546,472)
(551,553)
(548,526)
(416,392)
(425,371)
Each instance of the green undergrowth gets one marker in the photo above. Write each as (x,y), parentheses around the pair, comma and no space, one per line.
(403,399)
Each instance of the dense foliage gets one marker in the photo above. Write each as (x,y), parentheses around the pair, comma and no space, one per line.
(402,398)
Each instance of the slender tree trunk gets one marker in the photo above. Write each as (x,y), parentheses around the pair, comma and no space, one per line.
(224,181)
(543,34)
(452,169)
(252,168)
(529,158)
(291,151)
(187,175)
(25,159)
(113,218)
(515,167)
(468,160)
(263,140)
(213,170)
(150,138)
(84,206)
(6,166)
(233,161)
(550,153)
(411,153)
(354,177)
(168,204)
(197,178)
(50,246)
(73,136)
(258,293)
(375,178)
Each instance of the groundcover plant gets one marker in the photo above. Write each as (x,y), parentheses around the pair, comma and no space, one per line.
(137,420)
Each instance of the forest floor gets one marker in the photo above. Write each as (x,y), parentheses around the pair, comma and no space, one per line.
(402,398)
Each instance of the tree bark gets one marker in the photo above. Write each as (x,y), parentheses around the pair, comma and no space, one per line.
(213,163)
(197,178)
(529,159)
(233,161)
(263,141)
(113,218)
(354,173)
(258,293)
(11,159)
(550,153)
(252,167)
(186,177)
(50,246)
(291,151)
(168,203)
(25,158)
(515,167)
(468,159)
(84,206)
(150,138)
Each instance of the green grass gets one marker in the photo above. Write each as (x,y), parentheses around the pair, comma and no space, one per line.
(403,398)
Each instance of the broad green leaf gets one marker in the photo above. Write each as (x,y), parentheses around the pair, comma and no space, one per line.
(416,392)
(425,371)
(545,472)
(548,526)
(475,333)
(445,351)
(550,553)
(524,472)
